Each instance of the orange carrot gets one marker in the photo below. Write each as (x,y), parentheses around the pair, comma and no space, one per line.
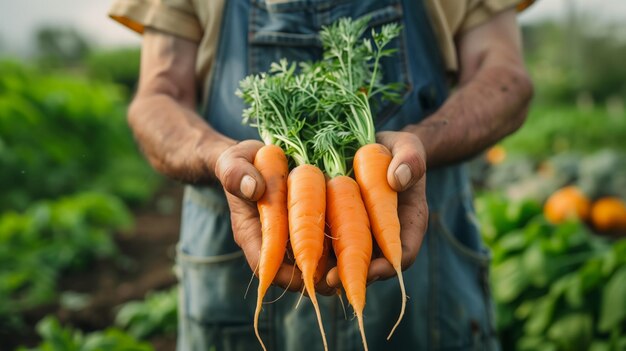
(322,265)
(381,201)
(307,205)
(352,241)
(271,162)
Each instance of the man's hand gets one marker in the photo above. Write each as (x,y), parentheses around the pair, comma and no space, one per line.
(407,175)
(182,146)
(492,98)
(244,185)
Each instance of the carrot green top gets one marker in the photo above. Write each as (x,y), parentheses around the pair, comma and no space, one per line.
(278,109)
(321,114)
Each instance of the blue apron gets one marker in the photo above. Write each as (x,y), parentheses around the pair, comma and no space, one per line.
(449,306)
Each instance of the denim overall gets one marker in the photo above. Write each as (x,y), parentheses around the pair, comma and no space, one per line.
(449,306)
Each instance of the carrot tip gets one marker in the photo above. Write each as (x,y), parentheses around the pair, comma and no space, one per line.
(359,317)
(257,312)
(404,298)
(284,291)
(343,307)
(319,320)
(308,283)
(299,299)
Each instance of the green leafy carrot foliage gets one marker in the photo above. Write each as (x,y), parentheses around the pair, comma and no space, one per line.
(320,112)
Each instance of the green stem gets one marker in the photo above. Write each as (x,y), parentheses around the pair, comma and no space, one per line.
(334,163)
(264,132)
(280,117)
(298,151)
(374,73)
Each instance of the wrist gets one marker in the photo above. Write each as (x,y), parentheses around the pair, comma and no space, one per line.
(425,132)
(209,149)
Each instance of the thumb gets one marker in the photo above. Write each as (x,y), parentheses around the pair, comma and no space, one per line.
(235,170)
(408,163)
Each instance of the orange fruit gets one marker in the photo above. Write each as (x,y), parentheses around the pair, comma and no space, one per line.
(567,203)
(608,214)
(495,155)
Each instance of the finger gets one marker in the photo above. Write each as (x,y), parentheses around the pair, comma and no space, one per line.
(246,226)
(322,285)
(408,163)
(413,215)
(247,234)
(236,171)
(323,288)
(380,269)
(332,278)
(289,277)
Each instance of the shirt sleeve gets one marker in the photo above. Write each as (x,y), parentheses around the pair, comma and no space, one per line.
(452,17)
(479,11)
(177,17)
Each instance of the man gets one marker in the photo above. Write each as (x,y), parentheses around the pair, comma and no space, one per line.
(199,50)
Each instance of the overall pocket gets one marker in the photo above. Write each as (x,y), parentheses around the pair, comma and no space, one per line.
(214,277)
(289,30)
(464,311)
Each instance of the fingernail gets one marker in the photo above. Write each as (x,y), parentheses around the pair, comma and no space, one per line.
(248,186)
(403,174)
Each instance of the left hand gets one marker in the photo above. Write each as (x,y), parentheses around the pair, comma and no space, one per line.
(406,175)
(232,167)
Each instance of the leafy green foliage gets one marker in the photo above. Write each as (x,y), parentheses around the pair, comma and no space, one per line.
(60,46)
(580,56)
(120,66)
(279,108)
(352,69)
(52,237)
(551,129)
(60,135)
(58,338)
(157,314)
(556,287)
(322,114)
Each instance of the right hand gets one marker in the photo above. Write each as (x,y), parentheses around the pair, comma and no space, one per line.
(244,185)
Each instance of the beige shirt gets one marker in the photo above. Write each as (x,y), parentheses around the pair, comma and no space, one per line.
(199,21)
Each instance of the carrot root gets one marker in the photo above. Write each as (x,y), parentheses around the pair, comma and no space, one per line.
(300,298)
(284,291)
(245,295)
(348,221)
(343,306)
(359,318)
(381,201)
(317,313)
(307,207)
(404,298)
(257,312)
(271,162)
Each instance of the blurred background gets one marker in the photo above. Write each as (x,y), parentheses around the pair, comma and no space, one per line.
(87,229)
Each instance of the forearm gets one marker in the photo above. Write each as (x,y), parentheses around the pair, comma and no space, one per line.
(176,141)
(490,106)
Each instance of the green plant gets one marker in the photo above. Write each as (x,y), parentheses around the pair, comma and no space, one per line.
(157,314)
(62,134)
(556,287)
(58,338)
(52,237)
(120,66)
(551,129)
(583,55)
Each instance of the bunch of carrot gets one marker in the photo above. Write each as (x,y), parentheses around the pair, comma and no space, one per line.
(319,119)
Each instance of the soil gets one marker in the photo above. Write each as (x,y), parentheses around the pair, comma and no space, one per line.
(145,264)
